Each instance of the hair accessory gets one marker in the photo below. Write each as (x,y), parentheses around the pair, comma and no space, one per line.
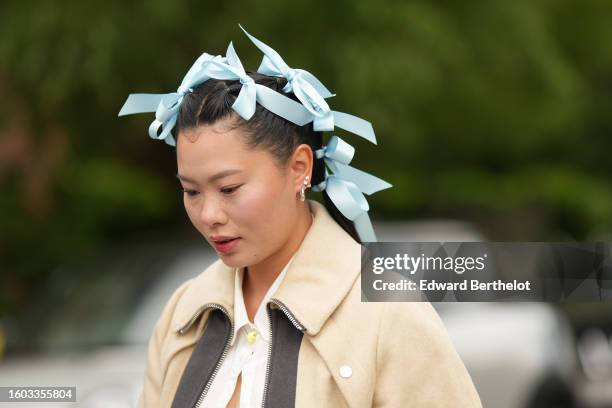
(312,93)
(166,106)
(344,184)
(251,92)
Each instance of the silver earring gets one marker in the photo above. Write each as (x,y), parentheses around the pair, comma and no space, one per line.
(304,187)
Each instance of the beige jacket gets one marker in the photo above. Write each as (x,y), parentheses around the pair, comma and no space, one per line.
(399,353)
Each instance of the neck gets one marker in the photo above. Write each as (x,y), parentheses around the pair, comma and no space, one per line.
(258,278)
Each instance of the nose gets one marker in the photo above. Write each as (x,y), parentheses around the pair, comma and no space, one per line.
(212,213)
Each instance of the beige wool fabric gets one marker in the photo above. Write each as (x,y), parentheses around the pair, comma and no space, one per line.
(399,354)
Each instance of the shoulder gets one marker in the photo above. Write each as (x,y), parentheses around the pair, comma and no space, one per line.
(401,326)
(413,331)
(418,318)
(392,317)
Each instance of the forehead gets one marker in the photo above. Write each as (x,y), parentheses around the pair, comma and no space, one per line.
(210,149)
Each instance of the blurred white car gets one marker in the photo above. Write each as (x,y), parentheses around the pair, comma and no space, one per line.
(93,333)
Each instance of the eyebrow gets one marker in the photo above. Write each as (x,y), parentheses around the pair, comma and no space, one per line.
(212,178)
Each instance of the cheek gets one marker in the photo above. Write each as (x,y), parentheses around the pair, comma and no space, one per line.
(264,207)
(192,212)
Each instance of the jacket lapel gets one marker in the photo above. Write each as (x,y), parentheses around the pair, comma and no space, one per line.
(324,269)
(203,361)
(283,364)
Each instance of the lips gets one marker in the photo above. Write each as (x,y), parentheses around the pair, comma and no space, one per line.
(225,244)
(221,238)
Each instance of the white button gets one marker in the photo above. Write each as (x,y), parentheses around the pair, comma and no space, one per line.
(346,371)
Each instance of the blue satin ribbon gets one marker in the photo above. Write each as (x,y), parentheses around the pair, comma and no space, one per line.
(346,185)
(166,105)
(312,93)
(252,92)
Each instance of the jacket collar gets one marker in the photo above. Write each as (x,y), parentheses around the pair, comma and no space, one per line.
(323,270)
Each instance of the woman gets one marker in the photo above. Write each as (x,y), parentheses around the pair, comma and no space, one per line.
(277,321)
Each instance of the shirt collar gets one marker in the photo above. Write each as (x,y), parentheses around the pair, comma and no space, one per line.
(261,321)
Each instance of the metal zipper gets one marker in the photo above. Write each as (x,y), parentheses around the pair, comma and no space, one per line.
(193,318)
(290,315)
(225,348)
(297,325)
(265,390)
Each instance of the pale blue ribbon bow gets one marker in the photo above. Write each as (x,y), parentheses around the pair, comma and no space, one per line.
(252,92)
(346,185)
(166,105)
(312,93)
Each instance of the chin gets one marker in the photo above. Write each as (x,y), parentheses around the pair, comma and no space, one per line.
(232,260)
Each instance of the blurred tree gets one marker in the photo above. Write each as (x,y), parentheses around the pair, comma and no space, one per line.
(494,111)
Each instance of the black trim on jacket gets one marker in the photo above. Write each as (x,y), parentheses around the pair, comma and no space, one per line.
(282,365)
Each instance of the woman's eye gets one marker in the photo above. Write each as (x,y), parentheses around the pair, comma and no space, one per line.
(190,193)
(229,190)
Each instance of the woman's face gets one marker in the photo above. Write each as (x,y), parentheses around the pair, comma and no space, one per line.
(233,191)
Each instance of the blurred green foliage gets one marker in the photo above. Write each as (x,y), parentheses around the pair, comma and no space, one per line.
(494,111)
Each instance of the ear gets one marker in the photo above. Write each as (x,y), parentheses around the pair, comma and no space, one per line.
(300,166)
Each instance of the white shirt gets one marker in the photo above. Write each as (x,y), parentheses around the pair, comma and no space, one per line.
(243,356)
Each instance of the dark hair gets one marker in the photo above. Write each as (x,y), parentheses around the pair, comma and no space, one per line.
(212,101)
